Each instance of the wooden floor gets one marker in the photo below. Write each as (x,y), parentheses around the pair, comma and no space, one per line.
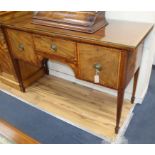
(14,135)
(87,108)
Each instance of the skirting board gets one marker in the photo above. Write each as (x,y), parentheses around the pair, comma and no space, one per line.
(93,86)
(140,100)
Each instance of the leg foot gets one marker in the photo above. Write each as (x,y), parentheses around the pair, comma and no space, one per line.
(132,99)
(134,86)
(116,129)
(22,88)
(120,99)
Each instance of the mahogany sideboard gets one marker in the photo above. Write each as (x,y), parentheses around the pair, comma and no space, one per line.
(8,74)
(110,57)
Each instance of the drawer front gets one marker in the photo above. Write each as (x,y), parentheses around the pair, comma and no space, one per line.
(22,45)
(3,45)
(5,60)
(56,47)
(106,60)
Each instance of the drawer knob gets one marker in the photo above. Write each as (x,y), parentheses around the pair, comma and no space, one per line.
(54,47)
(21,47)
(97,66)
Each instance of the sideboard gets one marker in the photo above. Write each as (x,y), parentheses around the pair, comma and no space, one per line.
(8,74)
(110,57)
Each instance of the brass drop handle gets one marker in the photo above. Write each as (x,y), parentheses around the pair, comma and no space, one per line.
(54,47)
(97,66)
(21,47)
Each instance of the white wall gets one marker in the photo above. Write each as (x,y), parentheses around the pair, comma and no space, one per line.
(148,16)
(65,72)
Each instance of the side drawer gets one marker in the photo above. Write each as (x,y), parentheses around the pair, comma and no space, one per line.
(107,59)
(22,45)
(55,47)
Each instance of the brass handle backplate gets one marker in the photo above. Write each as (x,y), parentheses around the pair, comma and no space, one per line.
(21,47)
(54,47)
(97,66)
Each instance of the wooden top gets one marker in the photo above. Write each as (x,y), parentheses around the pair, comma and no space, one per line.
(117,34)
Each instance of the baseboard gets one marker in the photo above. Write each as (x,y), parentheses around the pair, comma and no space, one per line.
(140,100)
(71,78)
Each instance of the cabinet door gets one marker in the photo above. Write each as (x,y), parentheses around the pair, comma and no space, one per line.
(5,60)
(107,59)
(22,46)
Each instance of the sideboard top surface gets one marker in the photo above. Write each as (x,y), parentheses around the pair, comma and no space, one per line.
(117,34)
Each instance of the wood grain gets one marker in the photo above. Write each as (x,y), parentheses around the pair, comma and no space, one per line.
(108,58)
(121,88)
(117,49)
(5,60)
(7,71)
(8,15)
(134,86)
(22,46)
(117,34)
(64,48)
(87,108)
(134,62)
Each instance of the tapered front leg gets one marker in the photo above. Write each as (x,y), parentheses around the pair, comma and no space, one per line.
(121,88)
(120,99)
(134,86)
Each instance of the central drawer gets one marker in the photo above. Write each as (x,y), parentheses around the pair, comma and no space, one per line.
(55,47)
